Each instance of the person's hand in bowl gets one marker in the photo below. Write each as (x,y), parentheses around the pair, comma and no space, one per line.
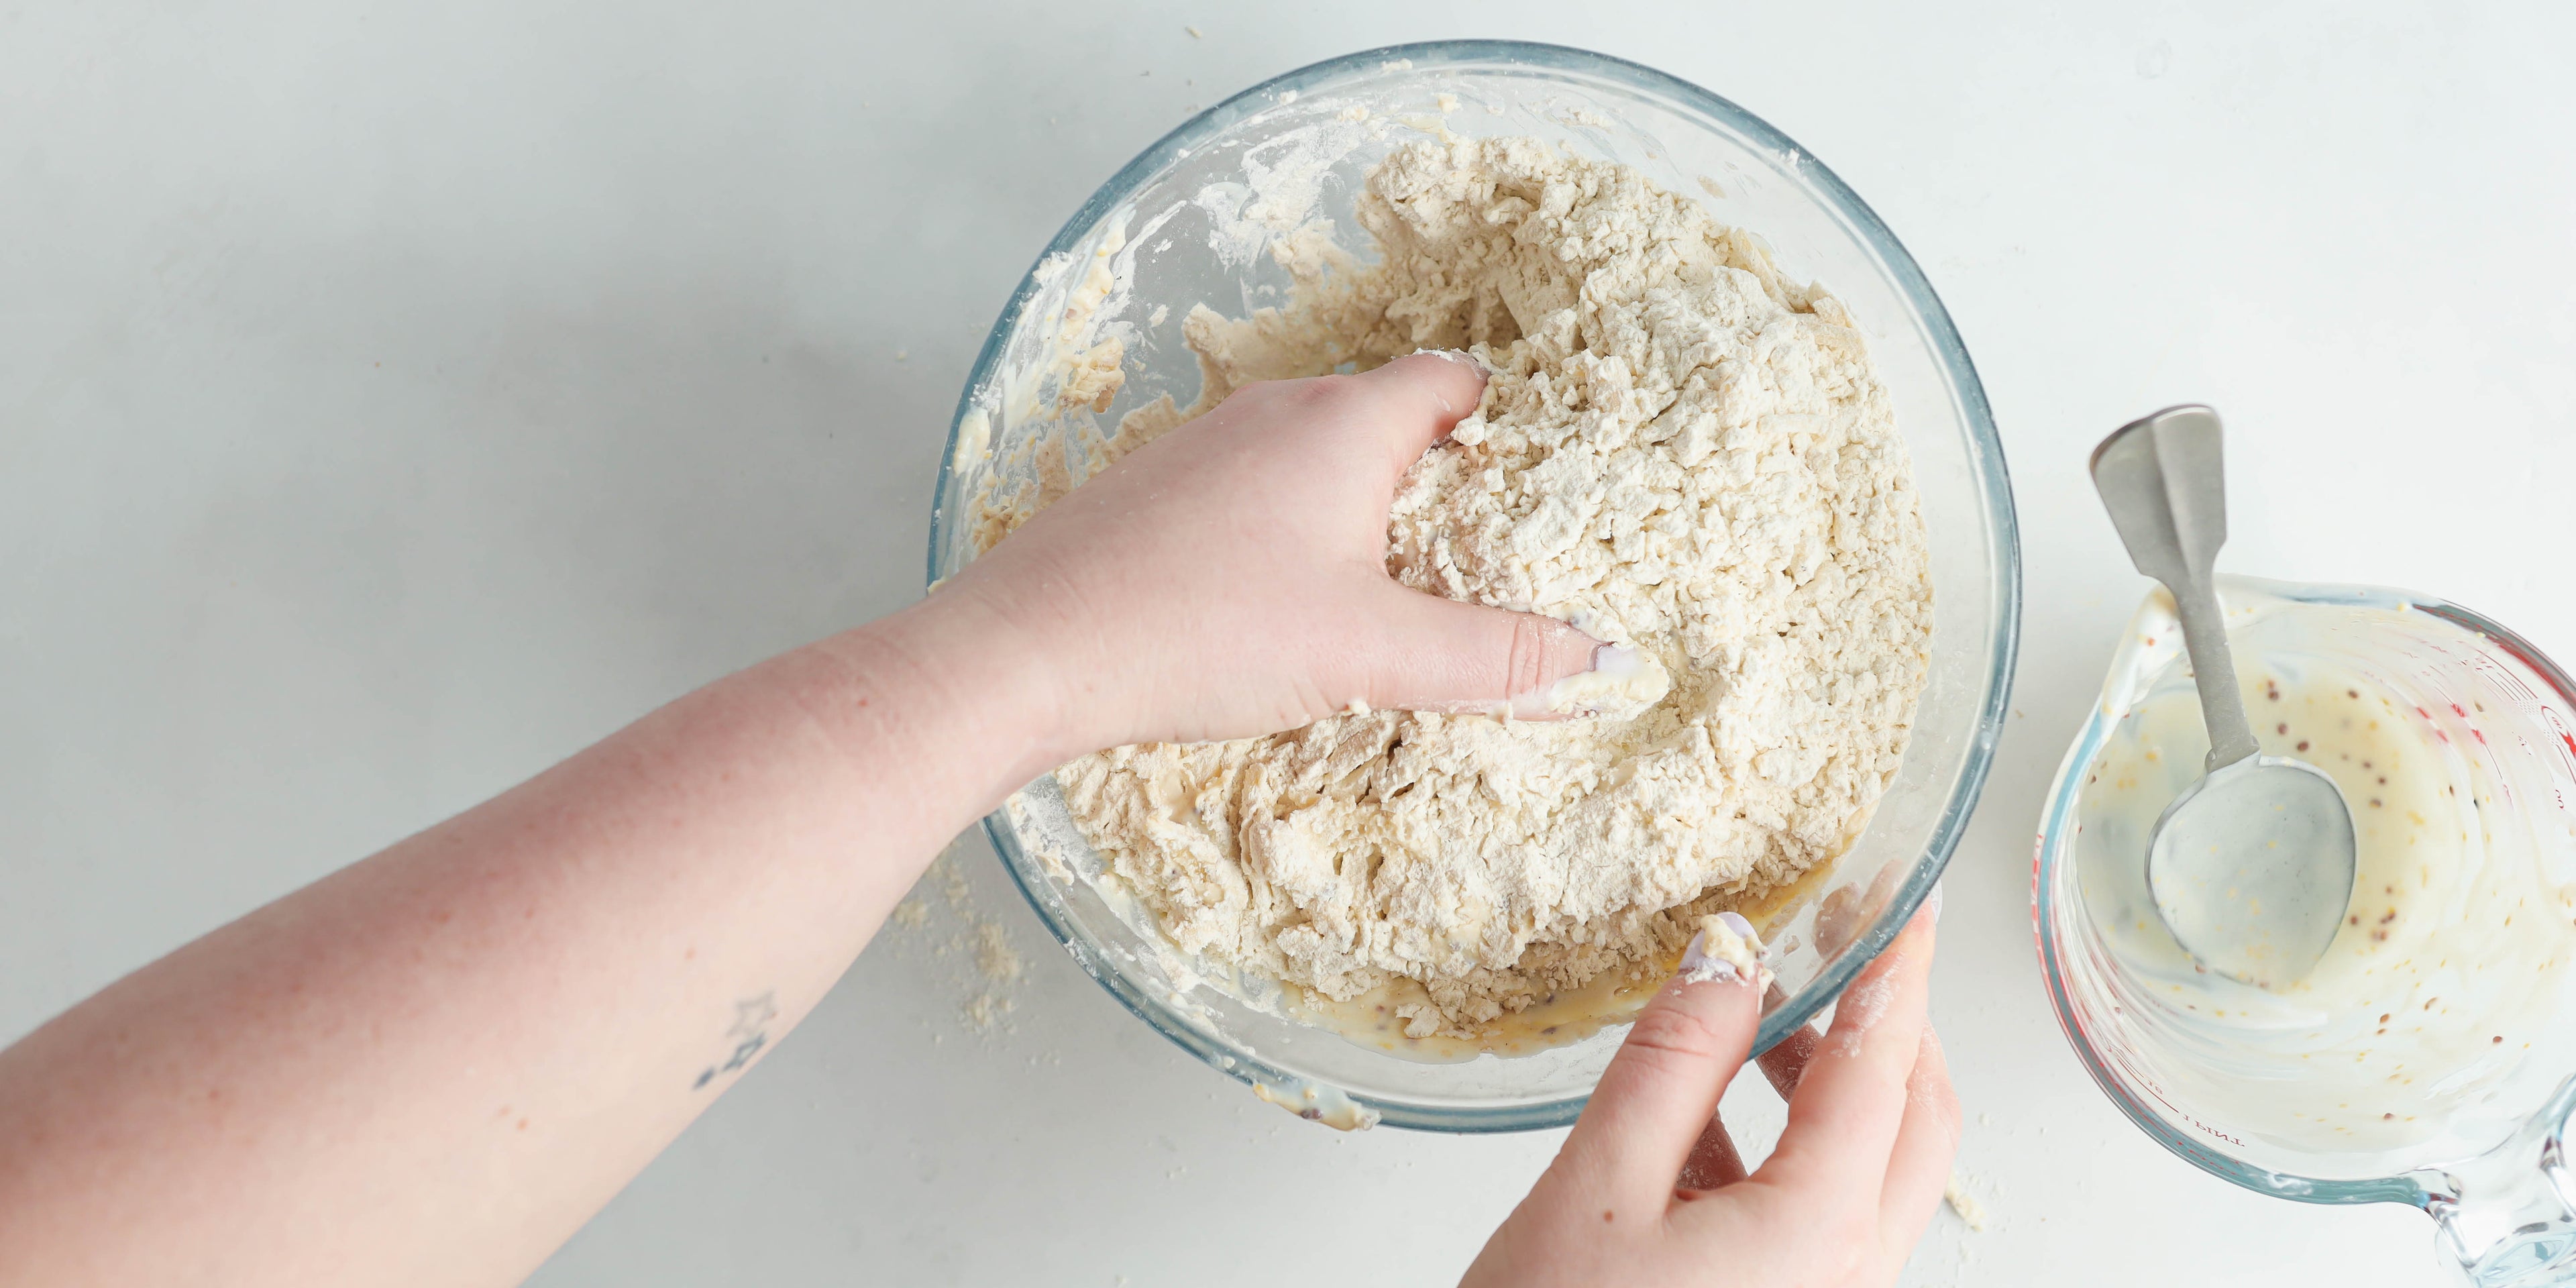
(1648,1189)
(434,1065)
(1229,578)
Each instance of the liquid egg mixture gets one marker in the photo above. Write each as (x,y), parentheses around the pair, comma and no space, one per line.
(2451,954)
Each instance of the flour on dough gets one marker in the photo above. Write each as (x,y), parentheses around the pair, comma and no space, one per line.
(1679,451)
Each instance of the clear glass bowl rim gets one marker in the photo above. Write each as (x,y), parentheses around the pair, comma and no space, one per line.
(2049,868)
(1986,447)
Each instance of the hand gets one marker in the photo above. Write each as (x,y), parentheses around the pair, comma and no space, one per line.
(1229,578)
(548,988)
(1647,1189)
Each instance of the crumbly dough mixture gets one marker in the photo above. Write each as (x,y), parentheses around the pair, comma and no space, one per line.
(1679,451)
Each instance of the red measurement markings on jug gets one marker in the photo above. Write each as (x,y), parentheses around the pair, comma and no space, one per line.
(2182,1113)
(2566,753)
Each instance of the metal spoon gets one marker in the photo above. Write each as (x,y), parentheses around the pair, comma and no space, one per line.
(2251,867)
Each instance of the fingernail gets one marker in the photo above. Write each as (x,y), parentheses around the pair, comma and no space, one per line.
(1462,357)
(1699,968)
(1934,903)
(1725,948)
(1621,682)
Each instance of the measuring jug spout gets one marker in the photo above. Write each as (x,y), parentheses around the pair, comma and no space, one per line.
(2508,1216)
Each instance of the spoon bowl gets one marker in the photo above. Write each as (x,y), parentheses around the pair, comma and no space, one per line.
(2252,868)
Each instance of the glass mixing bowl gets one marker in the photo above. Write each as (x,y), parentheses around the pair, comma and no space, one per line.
(2490,1165)
(1189,221)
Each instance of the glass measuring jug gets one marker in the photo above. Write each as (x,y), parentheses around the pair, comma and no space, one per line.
(2431,1064)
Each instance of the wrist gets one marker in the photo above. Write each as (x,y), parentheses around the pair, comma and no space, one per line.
(958,679)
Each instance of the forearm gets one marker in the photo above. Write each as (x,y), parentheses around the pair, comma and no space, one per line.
(437,1063)
(434,1065)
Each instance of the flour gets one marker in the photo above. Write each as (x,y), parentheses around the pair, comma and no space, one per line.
(997,965)
(1678,451)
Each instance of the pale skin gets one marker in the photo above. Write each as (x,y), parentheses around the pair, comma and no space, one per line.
(434,1065)
(1649,1190)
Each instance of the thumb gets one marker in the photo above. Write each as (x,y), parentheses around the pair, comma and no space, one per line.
(1442,655)
(1662,1088)
(1423,395)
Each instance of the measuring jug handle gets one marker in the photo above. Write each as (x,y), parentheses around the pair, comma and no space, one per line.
(2508,1217)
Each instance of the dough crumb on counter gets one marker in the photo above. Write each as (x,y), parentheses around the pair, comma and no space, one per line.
(1971,1213)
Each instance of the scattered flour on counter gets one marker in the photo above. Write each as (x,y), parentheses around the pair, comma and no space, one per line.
(1679,451)
(995,960)
(984,1011)
(982,940)
(997,968)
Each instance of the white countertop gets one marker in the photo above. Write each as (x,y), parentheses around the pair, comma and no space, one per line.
(393,401)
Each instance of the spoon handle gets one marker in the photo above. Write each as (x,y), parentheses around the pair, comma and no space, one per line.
(2165,483)
(2213,669)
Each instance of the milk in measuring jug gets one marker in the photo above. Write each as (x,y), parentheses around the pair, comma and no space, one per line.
(2451,954)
